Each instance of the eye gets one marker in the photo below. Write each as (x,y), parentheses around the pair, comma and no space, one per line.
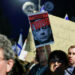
(73,53)
(69,53)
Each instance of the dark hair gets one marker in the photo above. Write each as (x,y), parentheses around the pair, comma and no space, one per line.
(58,55)
(6,45)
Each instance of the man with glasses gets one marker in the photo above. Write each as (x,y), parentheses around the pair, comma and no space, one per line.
(6,56)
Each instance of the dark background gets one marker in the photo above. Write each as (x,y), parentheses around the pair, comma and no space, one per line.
(13,19)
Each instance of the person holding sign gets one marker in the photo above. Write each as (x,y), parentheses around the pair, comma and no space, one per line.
(71,56)
(42,54)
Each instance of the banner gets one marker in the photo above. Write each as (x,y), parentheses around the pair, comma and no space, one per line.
(41,29)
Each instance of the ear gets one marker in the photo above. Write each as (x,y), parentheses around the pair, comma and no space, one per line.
(10,64)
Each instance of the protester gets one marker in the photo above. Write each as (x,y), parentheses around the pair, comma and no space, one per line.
(57,62)
(71,56)
(6,55)
(41,58)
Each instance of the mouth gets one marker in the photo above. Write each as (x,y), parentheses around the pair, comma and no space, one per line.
(70,60)
(55,67)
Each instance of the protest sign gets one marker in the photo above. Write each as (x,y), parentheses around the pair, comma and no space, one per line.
(41,29)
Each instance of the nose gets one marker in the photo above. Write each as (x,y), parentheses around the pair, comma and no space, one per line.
(56,63)
(42,31)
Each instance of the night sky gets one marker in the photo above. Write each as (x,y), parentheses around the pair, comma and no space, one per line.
(12,19)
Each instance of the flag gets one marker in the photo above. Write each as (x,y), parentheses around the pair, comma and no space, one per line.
(23,53)
(66,17)
(42,9)
(19,44)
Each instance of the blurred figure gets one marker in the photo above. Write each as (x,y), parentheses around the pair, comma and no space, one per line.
(7,55)
(57,62)
(71,56)
(18,68)
(41,59)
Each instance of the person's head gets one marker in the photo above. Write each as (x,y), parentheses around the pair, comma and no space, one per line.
(41,55)
(56,59)
(71,55)
(6,55)
(42,34)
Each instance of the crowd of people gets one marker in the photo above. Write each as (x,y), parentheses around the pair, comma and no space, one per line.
(47,62)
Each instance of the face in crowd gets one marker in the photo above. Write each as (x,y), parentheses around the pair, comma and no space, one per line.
(54,65)
(6,55)
(43,34)
(5,65)
(41,55)
(71,55)
(56,59)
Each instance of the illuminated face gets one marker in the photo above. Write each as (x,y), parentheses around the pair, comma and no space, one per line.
(40,55)
(43,34)
(71,56)
(5,65)
(54,66)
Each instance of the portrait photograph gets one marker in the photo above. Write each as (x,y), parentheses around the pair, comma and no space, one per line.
(41,29)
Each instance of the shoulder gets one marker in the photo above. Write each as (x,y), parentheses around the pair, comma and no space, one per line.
(47,72)
(37,65)
(69,71)
(34,69)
